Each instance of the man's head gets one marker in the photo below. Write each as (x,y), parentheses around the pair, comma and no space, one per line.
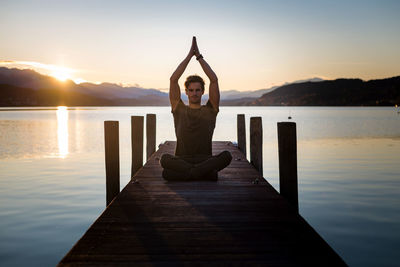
(194,88)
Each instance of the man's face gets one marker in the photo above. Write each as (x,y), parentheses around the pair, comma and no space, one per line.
(194,92)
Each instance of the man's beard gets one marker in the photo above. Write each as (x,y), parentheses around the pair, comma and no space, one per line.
(195,100)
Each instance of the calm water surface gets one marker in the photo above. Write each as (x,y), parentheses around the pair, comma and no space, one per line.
(52,177)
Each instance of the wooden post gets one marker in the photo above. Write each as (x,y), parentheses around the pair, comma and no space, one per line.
(111,141)
(256,143)
(150,135)
(241,133)
(287,144)
(137,143)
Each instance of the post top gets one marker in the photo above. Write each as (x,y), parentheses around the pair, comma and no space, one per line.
(286,123)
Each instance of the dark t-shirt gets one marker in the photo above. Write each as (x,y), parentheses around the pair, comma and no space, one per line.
(194,129)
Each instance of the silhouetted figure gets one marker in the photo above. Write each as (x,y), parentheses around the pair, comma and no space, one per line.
(194,126)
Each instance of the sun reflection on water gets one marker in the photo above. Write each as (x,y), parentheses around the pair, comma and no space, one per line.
(62,131)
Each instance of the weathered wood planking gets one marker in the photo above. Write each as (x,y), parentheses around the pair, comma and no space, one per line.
(228,222)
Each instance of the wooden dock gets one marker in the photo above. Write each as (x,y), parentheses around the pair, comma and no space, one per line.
(232,222)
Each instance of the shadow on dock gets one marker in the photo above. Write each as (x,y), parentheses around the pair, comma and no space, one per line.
(229,222)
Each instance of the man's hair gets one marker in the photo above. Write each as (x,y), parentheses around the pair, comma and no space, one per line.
(194,79)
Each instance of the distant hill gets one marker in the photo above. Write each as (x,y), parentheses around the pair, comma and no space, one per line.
(339,92)
(11,95)
(29,88)
(114,91)
(27,78)
(246,101)
(234,95)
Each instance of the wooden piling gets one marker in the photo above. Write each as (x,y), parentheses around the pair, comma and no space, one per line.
(111,141)
(287,144)
(256,143)
(241,133)
(150,135)
(137,143)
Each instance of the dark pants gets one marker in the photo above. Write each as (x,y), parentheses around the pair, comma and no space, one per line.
(199,167)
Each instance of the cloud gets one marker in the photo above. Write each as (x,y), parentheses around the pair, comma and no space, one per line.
(35,65)
(347,63)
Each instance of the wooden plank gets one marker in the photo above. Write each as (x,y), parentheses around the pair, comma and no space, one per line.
(232,221)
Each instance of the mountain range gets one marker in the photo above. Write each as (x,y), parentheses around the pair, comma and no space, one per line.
(25,87)
(339,92)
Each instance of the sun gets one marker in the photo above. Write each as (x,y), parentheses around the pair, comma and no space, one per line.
(61,74)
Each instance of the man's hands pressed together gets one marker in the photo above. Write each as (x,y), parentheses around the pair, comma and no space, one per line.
(192,51)
(174,92)
(195,47)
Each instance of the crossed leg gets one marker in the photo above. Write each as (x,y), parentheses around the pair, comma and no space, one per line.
(200,167)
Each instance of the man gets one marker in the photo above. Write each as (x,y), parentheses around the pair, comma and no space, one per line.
(194,126)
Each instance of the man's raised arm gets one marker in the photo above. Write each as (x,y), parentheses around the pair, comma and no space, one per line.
(214,87)
(174,90)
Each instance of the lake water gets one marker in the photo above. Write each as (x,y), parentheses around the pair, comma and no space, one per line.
(52,175)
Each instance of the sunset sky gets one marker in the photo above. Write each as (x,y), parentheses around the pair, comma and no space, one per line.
(250,44)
